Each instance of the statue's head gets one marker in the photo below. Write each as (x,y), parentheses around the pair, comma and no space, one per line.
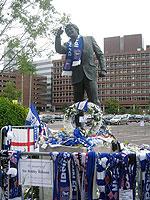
(71,30)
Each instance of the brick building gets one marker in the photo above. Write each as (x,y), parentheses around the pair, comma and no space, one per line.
(36,83)
(62,92)
(127,43)
(127,80)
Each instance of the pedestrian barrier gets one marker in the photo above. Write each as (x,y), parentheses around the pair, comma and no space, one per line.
(70,172)
(74,175)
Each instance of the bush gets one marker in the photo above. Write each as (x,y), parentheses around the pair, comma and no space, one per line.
(11,114)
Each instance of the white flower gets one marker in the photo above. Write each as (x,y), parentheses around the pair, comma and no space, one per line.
(95,115)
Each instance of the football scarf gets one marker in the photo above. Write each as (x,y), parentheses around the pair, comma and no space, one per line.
(14,187)
(142,169)
(53,156)
(127,176)
(7,136)
(4,161)
(81,161)
(112,178)
(146,193)
(90,172)
(84,183)
(62,179)
(73,55)
(102,163)
(74,180)
(35,131)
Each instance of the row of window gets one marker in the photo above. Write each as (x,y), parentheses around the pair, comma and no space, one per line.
(114,65)
(7,76)
(127,84)
(55,77)
(132,77)
(64,94)
(57,64)
(129,56)
(58,70)
(121,76)
(129,71)
(66,81)
(135,98)
(66,100)
(66,87)
(125,91)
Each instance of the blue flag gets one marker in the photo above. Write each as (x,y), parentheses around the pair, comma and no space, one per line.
(32,117)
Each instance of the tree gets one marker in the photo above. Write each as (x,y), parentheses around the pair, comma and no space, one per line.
(10,91)
(11,114)
(123,110)
(112,106)
(27,26)
(25,66)
(135,110)
(148,107)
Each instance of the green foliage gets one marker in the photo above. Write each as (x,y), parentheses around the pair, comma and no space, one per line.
(126,142)
(25,65)
(64,107)
(112,106)
(27,26)
(135,110)
(11,92)
(123,110)
(11,114)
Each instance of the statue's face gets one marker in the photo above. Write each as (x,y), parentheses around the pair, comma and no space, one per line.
(71,32)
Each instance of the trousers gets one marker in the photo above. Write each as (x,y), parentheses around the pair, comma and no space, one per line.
(88,86)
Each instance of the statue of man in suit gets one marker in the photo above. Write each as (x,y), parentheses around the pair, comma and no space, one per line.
(80,62)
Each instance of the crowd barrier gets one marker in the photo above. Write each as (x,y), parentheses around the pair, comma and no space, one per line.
(76,175)
(61,172)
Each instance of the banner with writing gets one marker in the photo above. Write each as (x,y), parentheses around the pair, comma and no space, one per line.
(36,172)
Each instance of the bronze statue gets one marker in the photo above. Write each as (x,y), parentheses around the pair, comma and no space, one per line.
(80,62)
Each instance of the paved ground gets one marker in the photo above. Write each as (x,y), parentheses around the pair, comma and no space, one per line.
(132,133)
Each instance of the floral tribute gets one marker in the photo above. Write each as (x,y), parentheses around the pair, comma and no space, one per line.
(88,115)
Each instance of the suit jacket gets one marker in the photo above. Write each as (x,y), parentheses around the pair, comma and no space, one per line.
(88,66)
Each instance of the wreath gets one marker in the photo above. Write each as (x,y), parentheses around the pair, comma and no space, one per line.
(85,115)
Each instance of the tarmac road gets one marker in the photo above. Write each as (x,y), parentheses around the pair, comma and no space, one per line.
(132,133)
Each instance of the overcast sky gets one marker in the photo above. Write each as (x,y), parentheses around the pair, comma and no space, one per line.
(108,18)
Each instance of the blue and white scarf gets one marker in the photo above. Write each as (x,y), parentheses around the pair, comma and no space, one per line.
(112,178)
(4,183)
(146,188)
(62,177)
(15,189)
(127,174)
(75,185)
(90,173)
(102,163)
(73,55)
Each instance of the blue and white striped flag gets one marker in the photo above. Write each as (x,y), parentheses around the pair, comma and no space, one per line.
(32,117)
